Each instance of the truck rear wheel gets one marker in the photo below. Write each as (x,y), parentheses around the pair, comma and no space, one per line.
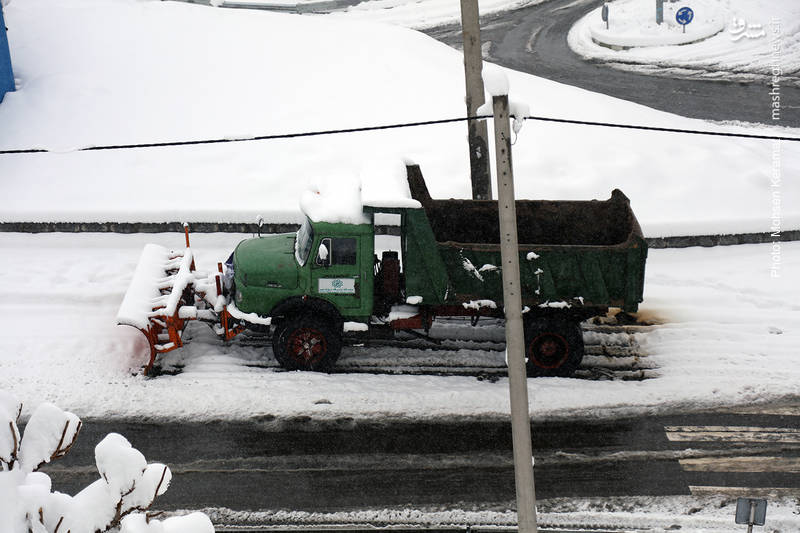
(307,343)
(553,347)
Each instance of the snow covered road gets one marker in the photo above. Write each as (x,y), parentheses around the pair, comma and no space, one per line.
(531,39)
(729,334)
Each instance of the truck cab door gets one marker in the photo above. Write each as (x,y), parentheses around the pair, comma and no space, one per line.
(335,269)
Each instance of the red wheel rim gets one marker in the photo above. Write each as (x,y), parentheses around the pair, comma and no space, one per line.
(307,346)
(548,350)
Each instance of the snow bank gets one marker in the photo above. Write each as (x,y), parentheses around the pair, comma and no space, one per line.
(151,71)
(659,514)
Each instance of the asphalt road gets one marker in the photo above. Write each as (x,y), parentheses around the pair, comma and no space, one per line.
(341,465)
(533,39)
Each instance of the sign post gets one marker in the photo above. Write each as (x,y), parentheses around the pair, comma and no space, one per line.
(659,11)
(684,16)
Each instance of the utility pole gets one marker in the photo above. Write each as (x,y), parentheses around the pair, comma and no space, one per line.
(512,300)
(477,133)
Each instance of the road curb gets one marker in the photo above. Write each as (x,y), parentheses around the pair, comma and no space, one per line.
(681,241)
(721,239)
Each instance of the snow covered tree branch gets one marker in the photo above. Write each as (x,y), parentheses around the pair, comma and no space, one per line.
(120,498)
(10,410)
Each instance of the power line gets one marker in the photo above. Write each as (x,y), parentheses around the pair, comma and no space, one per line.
(396,126)
(668,130)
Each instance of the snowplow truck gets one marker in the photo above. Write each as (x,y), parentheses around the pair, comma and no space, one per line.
(307,288)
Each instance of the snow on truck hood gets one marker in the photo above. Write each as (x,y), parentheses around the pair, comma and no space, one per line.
(341,199)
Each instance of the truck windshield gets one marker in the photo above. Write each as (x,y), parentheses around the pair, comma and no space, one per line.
(302,243)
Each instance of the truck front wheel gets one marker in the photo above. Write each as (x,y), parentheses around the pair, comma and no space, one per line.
(553,347)
(307,343)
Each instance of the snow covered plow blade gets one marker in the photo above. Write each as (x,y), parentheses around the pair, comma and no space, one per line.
(167,292)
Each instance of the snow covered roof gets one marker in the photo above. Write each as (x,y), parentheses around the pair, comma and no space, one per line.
(341,199)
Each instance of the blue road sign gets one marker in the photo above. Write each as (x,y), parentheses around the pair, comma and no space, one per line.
(684,16)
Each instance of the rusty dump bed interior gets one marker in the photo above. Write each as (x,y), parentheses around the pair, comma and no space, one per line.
(544,222)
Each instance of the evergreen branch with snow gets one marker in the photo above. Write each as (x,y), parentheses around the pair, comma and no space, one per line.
(121,497)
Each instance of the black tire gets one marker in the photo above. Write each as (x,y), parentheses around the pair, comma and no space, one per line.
(553,347)
(307,343)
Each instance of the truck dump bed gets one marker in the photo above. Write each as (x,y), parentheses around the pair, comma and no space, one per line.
(580,253)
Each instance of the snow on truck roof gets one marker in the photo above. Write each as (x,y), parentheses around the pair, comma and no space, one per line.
(342,199)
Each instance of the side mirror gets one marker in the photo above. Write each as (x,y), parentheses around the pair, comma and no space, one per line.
(323,253)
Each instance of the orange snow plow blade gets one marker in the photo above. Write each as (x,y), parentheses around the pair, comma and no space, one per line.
(167,292)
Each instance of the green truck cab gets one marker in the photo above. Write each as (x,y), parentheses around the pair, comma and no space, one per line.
(329,262)
(577,260)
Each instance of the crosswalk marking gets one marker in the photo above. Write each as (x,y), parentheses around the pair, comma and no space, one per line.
(760,439)
(741,464)
(789,409)
(746,492)
(731,433)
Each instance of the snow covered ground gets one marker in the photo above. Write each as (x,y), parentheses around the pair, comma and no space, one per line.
(94,72)
(729,335)
(632,24)
(744,39)
(633,514)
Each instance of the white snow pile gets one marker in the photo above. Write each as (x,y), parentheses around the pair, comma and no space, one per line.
(745,39)
(126,488)
(632,23)
(142,72)
(384,183)
(190,523)
(48,425)
(342,199)
(495,80)
(655,514)
(336,200)
(496,83)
